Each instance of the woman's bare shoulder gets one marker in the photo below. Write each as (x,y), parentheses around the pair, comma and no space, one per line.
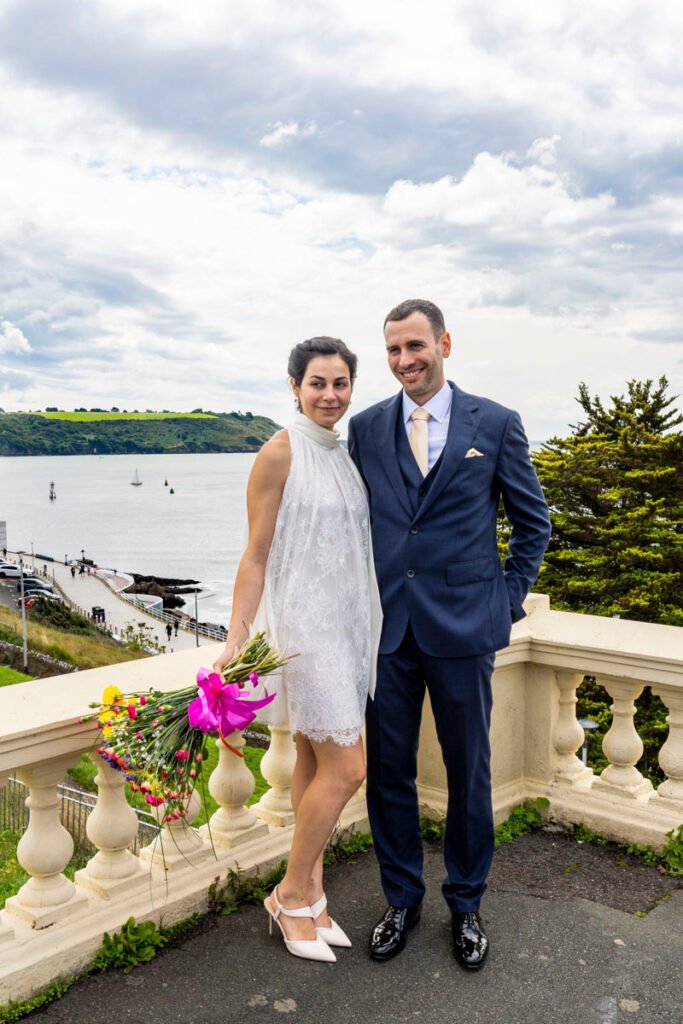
(275,455)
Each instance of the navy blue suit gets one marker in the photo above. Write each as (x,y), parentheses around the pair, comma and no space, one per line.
(448,606)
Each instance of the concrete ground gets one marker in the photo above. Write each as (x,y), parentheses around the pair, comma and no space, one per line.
(88,591)
(556,957)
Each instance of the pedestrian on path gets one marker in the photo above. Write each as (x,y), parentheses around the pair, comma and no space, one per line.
(169,630)
(175,628)
(73,572)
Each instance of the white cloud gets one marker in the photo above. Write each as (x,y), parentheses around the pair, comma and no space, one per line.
(283,133)
(12,340)
(506,199)
(518,166)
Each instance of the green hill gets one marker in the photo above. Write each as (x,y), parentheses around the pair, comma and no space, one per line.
(102,433)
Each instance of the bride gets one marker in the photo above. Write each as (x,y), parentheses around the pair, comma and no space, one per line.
(307,578)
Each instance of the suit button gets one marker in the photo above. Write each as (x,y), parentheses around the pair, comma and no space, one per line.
(414,529)
(422,492)
(410,574)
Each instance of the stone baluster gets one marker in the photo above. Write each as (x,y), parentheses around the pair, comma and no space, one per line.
(622,745)
(670,792)
(231,784)
(44,851)
(178,845)
(112,826)
(568,735)
(277,766)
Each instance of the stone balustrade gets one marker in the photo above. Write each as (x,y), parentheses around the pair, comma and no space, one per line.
(535,736)
(52,927)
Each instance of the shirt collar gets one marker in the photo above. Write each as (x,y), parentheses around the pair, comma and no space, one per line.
(438,406)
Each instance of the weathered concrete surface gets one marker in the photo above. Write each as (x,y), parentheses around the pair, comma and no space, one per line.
(558,958)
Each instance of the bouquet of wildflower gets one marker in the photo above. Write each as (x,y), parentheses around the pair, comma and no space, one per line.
(158,740)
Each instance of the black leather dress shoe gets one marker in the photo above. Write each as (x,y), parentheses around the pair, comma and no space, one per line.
(470,944)
(389,935)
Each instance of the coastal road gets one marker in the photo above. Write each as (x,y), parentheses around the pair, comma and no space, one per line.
(89,591)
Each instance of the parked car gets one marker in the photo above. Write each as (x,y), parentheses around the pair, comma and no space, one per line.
(33,581)
(9,569)
(32,589)
(37,595)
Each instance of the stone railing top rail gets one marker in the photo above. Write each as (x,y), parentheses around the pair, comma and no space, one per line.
(38,720)
(44,713)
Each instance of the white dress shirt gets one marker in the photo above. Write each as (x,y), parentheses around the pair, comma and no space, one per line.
(439,409)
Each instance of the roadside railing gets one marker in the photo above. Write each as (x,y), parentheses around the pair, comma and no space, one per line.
(74,808)
(203,629)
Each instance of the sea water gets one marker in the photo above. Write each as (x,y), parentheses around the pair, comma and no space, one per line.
(187,520)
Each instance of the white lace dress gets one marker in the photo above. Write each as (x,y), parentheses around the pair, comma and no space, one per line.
(320,596)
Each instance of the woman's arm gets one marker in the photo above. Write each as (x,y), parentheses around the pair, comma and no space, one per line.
(264,493)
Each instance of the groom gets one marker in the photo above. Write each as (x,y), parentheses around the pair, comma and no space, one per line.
(436,461)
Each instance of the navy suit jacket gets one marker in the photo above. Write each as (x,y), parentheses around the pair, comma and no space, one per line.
(437,564)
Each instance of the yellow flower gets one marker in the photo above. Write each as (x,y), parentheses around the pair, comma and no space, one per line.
(111,695)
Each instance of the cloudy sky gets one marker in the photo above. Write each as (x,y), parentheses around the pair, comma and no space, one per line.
(187,190)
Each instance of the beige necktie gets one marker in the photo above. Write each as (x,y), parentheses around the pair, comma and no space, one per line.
(418,439)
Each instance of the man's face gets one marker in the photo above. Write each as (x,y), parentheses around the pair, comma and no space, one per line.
(416,356)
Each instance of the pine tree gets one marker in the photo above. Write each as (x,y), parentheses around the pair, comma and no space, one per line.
(615,490)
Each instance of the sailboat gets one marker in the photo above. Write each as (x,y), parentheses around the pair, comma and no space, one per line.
(136,481)
(53,493)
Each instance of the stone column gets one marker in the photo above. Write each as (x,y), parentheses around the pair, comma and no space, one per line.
(112,827)
(44,851)
(277,766)
(670,792)
(622,745)
(231,784)
(568,734)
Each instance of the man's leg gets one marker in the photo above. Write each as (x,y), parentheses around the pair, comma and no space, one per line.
(392,732)
(460,693)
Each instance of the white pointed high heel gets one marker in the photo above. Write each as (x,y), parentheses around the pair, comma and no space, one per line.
(334,935)
(307,949)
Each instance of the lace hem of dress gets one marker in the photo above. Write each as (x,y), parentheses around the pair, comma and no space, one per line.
(346,738)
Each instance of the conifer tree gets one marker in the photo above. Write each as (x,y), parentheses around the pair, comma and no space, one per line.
(615,490)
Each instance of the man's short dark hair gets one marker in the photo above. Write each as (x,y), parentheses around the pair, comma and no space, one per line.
(428,309)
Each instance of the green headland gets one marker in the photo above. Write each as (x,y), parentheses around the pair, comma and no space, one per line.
(98,432)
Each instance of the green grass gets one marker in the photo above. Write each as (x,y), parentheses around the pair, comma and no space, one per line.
(12,875)
(93,417)
(8,676)
(83,651)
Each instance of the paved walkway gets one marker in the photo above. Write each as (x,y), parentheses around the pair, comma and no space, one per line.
(552,961)
(90,591)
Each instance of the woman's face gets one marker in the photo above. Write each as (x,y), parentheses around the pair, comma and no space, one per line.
(325,391)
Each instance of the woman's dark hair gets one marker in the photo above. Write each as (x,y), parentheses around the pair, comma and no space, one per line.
(301,355)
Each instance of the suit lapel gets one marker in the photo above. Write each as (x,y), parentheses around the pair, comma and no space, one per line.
(385,439)
(462,427)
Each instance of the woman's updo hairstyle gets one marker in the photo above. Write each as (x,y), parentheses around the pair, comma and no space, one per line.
(301,355)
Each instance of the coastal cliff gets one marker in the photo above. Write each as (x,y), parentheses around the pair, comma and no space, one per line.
(101,433)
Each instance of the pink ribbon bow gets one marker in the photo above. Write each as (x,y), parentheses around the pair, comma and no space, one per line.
(222,708)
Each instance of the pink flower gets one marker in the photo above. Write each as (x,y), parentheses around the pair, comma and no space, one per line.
(219,706)
(143,699)
(132,713)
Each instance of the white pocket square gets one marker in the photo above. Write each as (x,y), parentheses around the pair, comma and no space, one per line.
(474,453)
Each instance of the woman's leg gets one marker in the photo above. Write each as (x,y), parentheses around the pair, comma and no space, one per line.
(318,801)
(304,772)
